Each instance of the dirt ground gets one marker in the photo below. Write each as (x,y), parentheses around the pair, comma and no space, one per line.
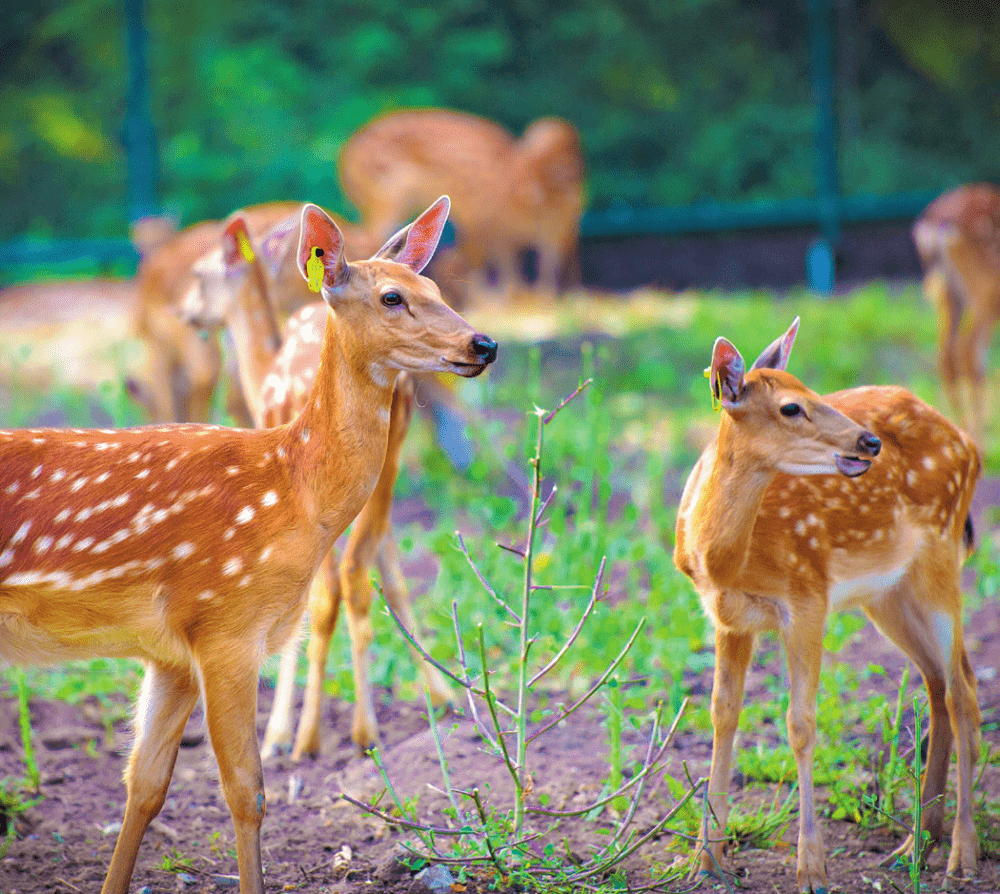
(65,841)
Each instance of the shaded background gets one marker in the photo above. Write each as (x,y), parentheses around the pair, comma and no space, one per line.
(678,104)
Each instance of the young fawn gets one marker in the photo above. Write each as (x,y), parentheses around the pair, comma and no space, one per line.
(958,240)
(277,372)
(192,547)
(776,529)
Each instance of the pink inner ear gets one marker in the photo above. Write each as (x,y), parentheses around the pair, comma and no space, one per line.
(318,230)
(424,234)
(230,241)
(727,366)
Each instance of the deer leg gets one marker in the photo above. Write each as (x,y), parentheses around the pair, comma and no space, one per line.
(278,735)
(165,703)
(324,607)
(394,587)
(732,657)
(804,650)
(948,313)
(203,363)
(932,638)
(229,681)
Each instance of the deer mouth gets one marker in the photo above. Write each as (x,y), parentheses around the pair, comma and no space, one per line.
(466,370)
(852,466)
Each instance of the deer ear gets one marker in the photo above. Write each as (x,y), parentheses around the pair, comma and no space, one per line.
(278,242)
(726,373)
(236,245)
(414,245)
(321,251)
(776,354)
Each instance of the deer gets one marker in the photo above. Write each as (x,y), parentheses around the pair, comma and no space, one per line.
(509,195)
(183,367)
(277,370)
(192,547)
(802,505)
(958,241)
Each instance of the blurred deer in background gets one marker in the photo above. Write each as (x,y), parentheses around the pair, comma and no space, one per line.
(183,366)
(958,240)
(508,195)
(192,548)
(776,529)
(277,372)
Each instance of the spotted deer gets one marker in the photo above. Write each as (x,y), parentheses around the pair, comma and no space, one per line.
(508,195)
(277,372)
(804,505)
(958,240)
(192,547)
(183,367)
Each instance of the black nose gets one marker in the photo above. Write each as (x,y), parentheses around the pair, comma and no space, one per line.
(869,443)
(485,347)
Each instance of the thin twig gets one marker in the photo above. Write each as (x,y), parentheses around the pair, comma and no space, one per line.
(545,505)
(593,688)
(576,632)
(398,820)
(512,549)
(578,390)
(483,731)
(484,582)
(496,721)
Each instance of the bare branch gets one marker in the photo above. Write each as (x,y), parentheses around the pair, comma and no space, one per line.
(484,582)
(578,390)
(576,632)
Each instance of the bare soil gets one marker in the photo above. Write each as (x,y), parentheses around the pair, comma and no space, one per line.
(65,841)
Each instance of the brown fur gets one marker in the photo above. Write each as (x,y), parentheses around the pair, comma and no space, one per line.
(769,550)
(192,547)
(958,240)
(508,195)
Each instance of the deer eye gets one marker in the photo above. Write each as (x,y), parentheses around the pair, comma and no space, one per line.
(392,299)
(790,410)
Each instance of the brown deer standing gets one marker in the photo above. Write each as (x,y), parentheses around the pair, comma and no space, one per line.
(277,372)
(958,240)
(776,529)
(193,547)
(508,195)
(183,368)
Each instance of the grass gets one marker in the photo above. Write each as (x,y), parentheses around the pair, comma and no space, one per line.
(621,456)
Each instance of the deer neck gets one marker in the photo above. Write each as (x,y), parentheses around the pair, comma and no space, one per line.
(727,506)
(256,337)
(338,441)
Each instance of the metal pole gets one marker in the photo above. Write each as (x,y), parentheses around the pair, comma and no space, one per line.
(140,135)
(820,260)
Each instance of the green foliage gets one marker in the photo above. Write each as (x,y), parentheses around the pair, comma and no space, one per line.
(676,102)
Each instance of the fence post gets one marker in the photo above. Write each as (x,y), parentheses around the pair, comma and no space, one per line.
(140,135)
(821,257)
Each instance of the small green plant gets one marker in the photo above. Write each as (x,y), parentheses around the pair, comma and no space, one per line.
(175,861)
(501,840)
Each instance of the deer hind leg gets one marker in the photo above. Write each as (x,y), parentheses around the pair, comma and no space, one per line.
(203,365)
(804,651)
(394,587)
(278,735)
(732,657)
(229,680)
(948,307)
(167,698)
(324,607)
(929,631)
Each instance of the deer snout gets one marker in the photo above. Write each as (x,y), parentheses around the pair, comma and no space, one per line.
(869,444)
(484,347)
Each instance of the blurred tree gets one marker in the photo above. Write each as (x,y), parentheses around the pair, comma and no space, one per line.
(676,102)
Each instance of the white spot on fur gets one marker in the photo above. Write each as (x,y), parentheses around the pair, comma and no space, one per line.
(81,545)
(306,434)
(245,580)
(36,472)
(269,499)
(58,475)
(12,488)
(43,544)
(20,533)
(266,552)
(246,514)
(76,485)
(6,557)
(183,550)
(143,474)
(64,541)
(206,594)
(233,566)
(62,516)
(100,479)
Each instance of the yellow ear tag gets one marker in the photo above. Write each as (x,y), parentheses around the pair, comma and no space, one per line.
(245,248)
(315,270)
(716,401)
